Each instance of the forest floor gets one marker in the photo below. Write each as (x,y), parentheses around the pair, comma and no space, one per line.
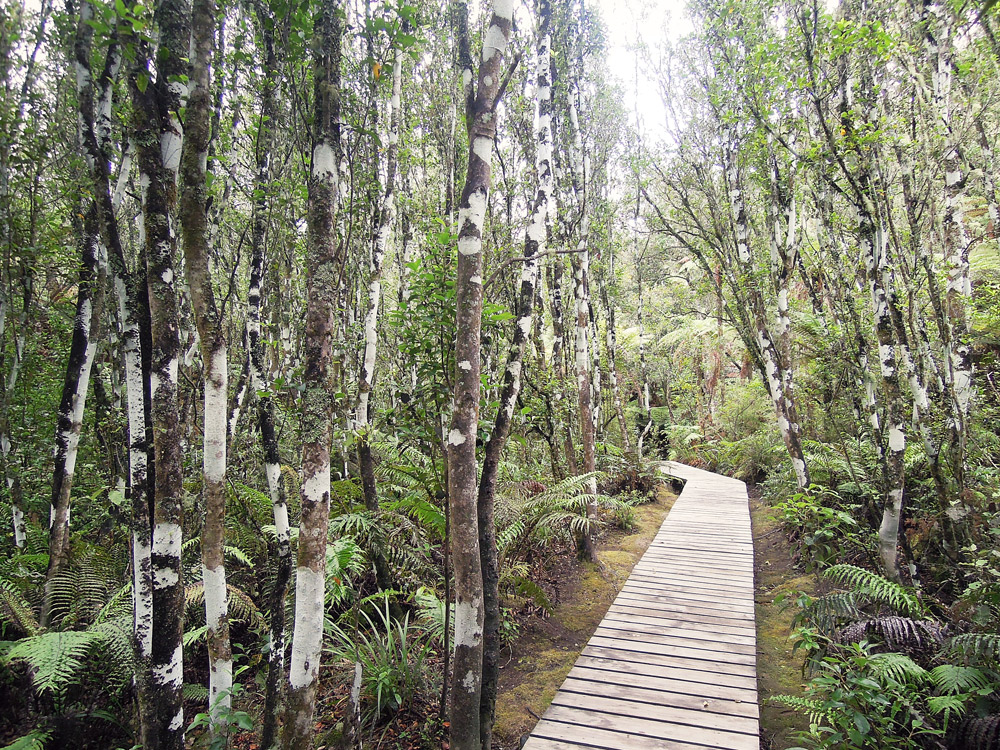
(779,671)
(537,661)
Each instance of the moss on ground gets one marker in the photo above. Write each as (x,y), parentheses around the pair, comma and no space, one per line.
(779,670)
(545,652)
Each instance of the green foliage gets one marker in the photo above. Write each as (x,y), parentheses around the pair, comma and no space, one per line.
(822,531)
(35,740)
(222,719)
(878,589)
(392,654)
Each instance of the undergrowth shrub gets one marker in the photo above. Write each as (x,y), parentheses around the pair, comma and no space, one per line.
(886,673)
(393,655)
(822,527)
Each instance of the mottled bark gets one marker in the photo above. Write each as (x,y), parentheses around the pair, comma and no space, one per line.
(534,245)
(467,670)
(156,103)
(196,240)
(260,381)
(383,229)
(325,263)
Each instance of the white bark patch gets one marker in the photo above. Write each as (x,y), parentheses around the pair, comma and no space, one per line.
(172,672)
(216,406)
(494,43)
(142,602)
(800,471)
(504,9)
(466,77)
(216,596)
(324,163)
(525,325)
(168,276)
(307,638)
(455,437)
(469,682)
(475,279)
(318,485)
(19,527)
(177,722)
(897,439)
(465,365)
(165,578)
(468,629)
(170,150)
(167,539)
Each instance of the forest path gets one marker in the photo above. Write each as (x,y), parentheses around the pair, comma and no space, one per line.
(673,665)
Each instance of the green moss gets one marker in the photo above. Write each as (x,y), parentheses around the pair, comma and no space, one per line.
(779,670)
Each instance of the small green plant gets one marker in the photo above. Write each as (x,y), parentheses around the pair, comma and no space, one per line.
(860,700)
(226,719)
(819,527)
(392,654)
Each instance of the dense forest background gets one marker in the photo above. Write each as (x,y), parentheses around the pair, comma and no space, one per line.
(321,324)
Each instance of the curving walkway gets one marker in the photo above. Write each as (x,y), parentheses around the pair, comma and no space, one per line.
(673,665)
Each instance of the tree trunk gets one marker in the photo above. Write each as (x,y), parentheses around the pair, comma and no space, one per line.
(467,670)
(382,231)
(196,236)
(69,424)
(534,245)
(158,136)
(260,384)
(325,263)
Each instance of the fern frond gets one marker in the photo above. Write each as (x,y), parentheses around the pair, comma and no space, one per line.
(978,647)
(953,679)
(814,709)
(877,588)
(15,610)
(55,659)
(899,668)
(898,633)
(827,612)
(36,739)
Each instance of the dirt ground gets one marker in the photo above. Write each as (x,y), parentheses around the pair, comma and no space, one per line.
(779,671)
(540,657)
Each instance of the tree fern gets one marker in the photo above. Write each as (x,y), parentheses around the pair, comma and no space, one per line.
(897,633)
(878,589)
(977,733)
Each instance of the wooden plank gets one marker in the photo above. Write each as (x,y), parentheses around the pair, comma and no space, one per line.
(685,638)
(573,735)
(681,657)
(689,670)
(581,680)
(591,717)
(691,717)
(677,631)
(656,678)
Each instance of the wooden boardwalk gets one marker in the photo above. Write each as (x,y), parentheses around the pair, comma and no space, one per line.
(673,665)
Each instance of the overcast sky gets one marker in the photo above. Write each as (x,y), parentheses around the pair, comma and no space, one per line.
(651,21)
